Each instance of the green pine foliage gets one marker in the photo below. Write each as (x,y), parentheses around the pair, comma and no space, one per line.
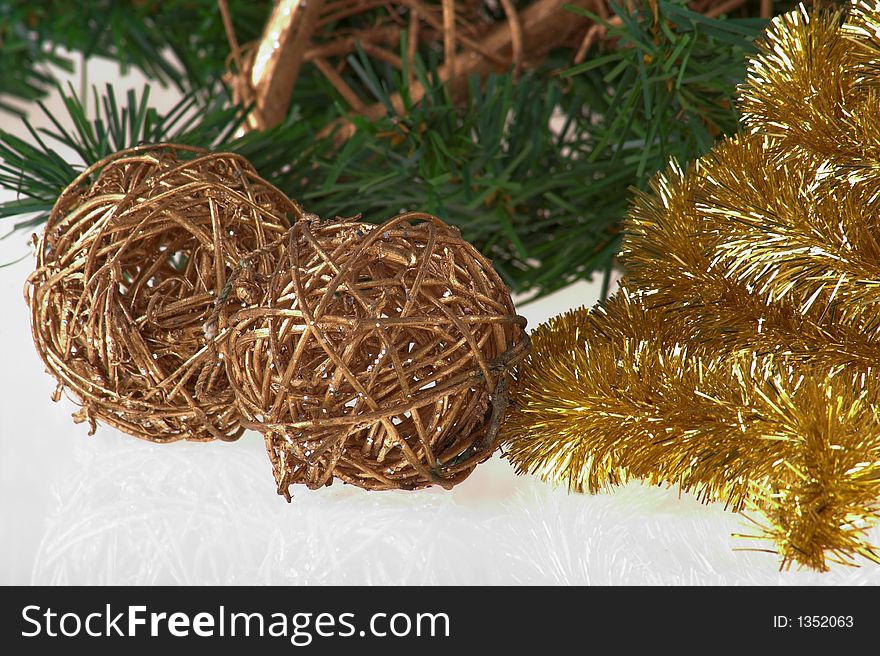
(38,173)
(181,42)
(536,171)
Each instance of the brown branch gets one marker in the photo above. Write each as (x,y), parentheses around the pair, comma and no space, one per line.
(279,55)
(339,84)
(412,44)
(516,38)
(234,47)
(544,24)
(482,48)
(449,36)
(383,55)
(596,31)
(387,35)
(242,93)
(358,7)
(724,7)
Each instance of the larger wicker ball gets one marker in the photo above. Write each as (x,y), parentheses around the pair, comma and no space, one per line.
(380,355)
(141,260)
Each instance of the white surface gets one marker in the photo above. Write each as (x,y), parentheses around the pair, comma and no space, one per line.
(113,509)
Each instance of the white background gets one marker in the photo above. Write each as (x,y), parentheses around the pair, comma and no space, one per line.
(112,509)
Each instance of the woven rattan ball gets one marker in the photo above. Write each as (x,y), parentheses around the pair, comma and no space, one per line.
(142,259)
(380,355)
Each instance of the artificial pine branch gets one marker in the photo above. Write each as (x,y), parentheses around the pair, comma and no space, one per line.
(181,42)
(533,167)
(38,173)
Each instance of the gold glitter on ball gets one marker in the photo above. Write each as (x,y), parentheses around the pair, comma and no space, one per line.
(380,355)
(141,261)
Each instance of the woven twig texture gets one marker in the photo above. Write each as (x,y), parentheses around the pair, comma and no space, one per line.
(134,270)
(380,355)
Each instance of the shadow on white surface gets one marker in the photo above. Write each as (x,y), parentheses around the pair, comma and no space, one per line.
(133,513)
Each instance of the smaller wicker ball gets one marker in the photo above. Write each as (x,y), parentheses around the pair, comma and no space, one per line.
(140,263)
(380,355)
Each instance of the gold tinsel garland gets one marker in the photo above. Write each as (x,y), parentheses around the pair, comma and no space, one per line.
(616,394)
(739,358)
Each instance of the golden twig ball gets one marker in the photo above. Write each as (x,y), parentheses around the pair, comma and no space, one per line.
(380,355)
(142,259)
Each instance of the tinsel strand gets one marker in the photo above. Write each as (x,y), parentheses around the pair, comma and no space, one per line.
(738,359)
